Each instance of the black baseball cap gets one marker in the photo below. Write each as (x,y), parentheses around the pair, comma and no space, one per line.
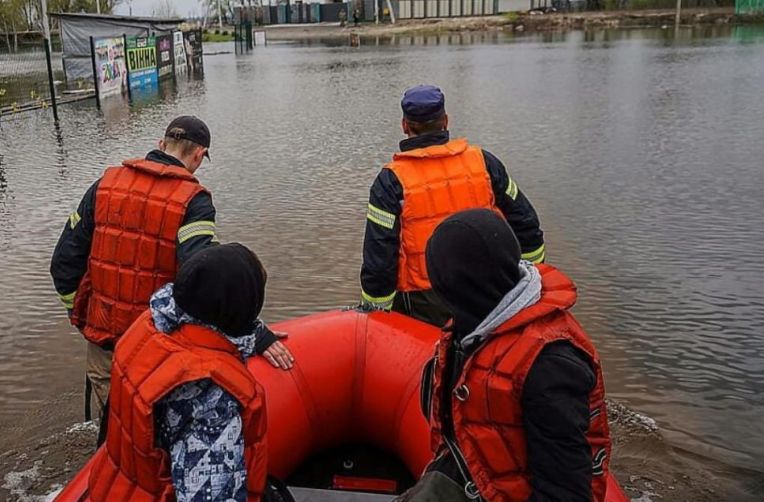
(191,128)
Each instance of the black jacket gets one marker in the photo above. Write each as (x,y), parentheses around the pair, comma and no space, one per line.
(472,259)
(70,257)
(379,272)
(556,417)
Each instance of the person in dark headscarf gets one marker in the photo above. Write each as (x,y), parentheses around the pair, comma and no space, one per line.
(181,395)
(515,395)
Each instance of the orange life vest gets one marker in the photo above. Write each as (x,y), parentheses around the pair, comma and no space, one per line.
(437,181)
(147,366)
(139,209)
(486,402)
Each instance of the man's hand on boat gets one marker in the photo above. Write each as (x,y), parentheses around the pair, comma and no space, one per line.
(278,355)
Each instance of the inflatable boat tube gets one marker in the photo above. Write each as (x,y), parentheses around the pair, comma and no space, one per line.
(356,380)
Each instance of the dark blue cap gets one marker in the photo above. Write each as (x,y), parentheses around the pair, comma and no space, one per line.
(423,103)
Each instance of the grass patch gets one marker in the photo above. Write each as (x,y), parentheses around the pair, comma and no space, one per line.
(511,16)
(217,37)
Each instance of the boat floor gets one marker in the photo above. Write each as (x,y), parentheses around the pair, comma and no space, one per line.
(315,495)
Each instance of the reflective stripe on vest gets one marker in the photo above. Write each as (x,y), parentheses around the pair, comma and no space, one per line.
(437,181)
(147,366)
(139,210)
(487,398)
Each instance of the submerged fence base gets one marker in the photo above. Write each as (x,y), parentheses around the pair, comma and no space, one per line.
(43,104)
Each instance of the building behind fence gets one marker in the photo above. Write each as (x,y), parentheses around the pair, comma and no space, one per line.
(299,13)
(77,29)
(418,9)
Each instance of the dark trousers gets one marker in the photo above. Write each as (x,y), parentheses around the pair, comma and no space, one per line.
(434,487)
(422,305)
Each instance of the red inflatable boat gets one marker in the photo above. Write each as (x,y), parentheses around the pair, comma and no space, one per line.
(355,382)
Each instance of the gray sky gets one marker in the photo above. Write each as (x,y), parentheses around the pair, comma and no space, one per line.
(184,8)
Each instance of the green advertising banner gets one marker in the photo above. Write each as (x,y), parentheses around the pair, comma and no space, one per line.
(141,62)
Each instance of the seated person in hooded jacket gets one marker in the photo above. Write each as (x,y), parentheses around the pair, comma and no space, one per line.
(186,419)
(514,395)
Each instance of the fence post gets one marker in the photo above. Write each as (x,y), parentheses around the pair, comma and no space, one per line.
(678,15)
(50,80)
(127,68)
(95,71)
(174,75)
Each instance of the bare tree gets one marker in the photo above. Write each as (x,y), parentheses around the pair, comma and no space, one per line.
(213,9)
(7,34)
(164,8)
(13,16)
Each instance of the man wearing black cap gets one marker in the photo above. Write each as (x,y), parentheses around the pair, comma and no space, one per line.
(515,394)
(133,228)
(431,178)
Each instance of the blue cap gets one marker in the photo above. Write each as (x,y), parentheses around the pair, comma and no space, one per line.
(423,103)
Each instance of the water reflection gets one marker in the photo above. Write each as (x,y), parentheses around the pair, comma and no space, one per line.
(3,182)
(601,38)
(60,151)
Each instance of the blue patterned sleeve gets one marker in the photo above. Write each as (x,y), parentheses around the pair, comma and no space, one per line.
(200,425)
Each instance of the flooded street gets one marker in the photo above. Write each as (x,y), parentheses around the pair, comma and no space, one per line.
(643,156)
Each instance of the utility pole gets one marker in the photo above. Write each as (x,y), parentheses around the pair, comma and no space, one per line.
(678,16)
(220,14)
(390,8)
(98,6)
(45,25)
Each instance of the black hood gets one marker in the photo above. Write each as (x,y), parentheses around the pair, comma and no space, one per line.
(472,261)
(223,286)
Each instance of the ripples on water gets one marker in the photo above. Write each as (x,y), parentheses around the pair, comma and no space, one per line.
(643,157)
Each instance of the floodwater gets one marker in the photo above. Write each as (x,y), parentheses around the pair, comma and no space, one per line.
(643,155)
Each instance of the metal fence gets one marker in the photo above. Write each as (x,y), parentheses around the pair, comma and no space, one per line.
(749,6)
(420,9)
(243,40)
(24,84)
(606,5)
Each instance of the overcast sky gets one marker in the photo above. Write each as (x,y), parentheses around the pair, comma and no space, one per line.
(184,8)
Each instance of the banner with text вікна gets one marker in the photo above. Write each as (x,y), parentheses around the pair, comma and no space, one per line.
(165,55)
(111,73)
(180,52)
(141,62)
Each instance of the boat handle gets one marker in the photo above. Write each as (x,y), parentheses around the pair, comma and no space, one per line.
(470,489)
(462,392)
